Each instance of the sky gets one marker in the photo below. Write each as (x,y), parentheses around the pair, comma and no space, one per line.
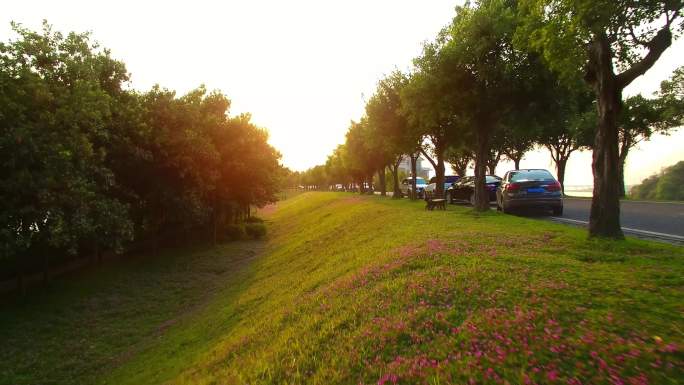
(303,69)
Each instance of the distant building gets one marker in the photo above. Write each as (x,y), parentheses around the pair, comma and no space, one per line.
(405,166)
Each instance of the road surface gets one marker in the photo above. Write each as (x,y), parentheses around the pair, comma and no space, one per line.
(651,219)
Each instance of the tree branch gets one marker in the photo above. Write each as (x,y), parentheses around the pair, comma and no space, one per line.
(635,38)
(660,42)
(434,164)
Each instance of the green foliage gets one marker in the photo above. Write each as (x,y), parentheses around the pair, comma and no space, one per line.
(668,185)
(562,29)
(255,230)
(88,165)
(235,231)
(642,117)
(57,100)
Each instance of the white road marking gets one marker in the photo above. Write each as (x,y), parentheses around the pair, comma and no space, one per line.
(646,233)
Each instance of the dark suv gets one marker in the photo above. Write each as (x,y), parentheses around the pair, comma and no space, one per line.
(530,188)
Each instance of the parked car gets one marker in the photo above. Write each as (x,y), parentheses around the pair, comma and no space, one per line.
(406,185)
(464,189)
(367,188)
(448,181)
(531,188)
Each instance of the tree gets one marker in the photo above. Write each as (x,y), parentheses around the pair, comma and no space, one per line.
(87,165)
(612,42)
(517,142)
(335,167)
(667,185)
(360,160)
(57,95)
(428,101)
(392,130)
(459,158)
(566,123)
(491,76)
(640,118)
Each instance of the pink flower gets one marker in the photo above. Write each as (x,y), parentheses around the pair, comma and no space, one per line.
(552,375)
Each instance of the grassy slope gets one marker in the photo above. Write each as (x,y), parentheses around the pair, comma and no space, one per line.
(364,290)
(83,325)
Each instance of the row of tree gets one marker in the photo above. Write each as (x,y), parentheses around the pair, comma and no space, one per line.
(88,165)
(505,76)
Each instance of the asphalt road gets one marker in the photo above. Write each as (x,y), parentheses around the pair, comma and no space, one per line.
(657,217)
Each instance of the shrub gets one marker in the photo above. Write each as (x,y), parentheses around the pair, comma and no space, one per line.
(235,231)
(255,230)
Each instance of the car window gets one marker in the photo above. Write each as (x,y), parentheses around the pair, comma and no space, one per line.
(530,175)
(450,178)
(492,179)
(420,181)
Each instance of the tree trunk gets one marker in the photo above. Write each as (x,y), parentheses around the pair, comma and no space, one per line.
(21,278)
(560,171)
(215,220)
(46,267)
(414,160)
(460,171)
(439,172)
(517,162)
(481,193)
(99,255)
(604,220)
(383,182)
(396,191)
(21,283)
(215,231)
(622,192)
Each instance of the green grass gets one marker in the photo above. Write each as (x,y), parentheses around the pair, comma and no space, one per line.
(366,290)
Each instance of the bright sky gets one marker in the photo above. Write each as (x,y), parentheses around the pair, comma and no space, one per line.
(302,68)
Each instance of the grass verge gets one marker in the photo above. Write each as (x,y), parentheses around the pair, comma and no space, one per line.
(367,290)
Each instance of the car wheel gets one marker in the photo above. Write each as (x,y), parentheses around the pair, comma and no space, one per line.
(558,211)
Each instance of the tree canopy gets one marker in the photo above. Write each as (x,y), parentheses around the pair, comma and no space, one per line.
(88,164)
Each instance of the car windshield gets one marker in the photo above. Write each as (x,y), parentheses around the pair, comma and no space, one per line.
(530,175)
(420,181)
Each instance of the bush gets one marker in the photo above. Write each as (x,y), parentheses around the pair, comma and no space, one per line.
(254,220)
(255,230)
(235,232)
